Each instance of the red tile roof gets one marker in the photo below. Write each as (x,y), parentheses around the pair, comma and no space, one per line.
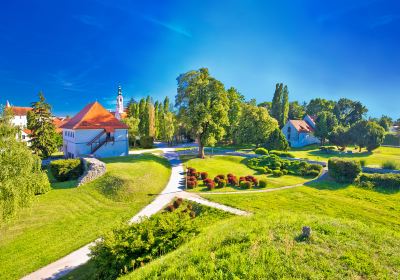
(27,131)
(94,116)
(58,122)
(301,126)
(20,111)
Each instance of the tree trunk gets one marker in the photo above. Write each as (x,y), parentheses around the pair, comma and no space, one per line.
(201,150)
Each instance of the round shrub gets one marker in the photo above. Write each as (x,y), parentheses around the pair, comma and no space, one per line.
(245,184)
(312,173)
(178,202)
(197,175)
(221,176)
(217,179)
(211,186)
(284,171)
(261,151)
(343,170)
(277,173)
(262,183)
(66,169)
(242,179)
(221,184)
(191,184)
(191,178)
(204,175)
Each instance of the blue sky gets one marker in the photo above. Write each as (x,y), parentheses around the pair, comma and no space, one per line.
(80,51)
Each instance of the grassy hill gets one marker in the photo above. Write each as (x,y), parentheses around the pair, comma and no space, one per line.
(69,217)
(356,235)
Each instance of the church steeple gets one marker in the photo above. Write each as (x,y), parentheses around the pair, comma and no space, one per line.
(120,104)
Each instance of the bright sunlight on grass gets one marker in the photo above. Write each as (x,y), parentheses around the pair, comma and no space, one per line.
(69,217)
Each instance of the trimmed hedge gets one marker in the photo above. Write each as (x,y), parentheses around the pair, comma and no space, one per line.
(343,170)
(388,180)
(66,169)
(261,151)
(281,154)
(146,142)
(262,183)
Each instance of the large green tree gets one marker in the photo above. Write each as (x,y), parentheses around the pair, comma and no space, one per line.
(255,125)
(349,112)
(21,176)
(204,104)
(340,137)
(40,122)
(324,124)
(280,104)
(367,134)
(318,105)
(133,129)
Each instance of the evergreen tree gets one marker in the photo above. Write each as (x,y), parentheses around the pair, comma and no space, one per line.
(276,141)
(143,116)
(40,122)
(296,111)
(285,107)
(276,106)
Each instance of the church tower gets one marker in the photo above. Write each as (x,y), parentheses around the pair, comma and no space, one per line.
(120,104)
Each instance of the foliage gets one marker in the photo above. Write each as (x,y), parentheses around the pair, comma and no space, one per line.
(40,122)
(278,166)
(262,183)
(203,104)
(261,151)
(235,107)
(296,111)
(348,112)
(389,180)
(146,142)
(343,170)
(21,176)
(66,169)
(130,247)
(340,137)
(386,122)
(390,164)
(255,125)
(324,125)
(367,134)
(281,154)
(133,128)
(276,141)
(319,105)
(391,139)
(280,104)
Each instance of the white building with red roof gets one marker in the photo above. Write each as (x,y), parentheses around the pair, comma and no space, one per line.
(300,133)
(95,131)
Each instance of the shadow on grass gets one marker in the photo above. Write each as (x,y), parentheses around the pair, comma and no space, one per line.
(341,155)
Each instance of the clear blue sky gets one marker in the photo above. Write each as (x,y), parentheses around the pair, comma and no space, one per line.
(79,51)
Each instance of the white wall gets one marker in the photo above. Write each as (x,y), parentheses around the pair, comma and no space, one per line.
(75,143)
(298,139)
(21,121)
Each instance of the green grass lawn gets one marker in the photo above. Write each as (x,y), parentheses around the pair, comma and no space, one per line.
(236,165)
(355,235)
(68,217)
(375,158)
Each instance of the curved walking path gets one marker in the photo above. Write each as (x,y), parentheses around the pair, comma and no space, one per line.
(173,189)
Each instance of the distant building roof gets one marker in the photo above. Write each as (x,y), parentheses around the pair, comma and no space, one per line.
(20,111)
(27,131)
(301,126)
(94,116)
(58,122)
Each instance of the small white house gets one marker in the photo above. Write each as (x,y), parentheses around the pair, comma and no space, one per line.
(95,131)
(300,133)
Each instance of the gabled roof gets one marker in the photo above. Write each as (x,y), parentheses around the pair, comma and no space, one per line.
(94,116)
(20,111)
(301,126)
(58,122)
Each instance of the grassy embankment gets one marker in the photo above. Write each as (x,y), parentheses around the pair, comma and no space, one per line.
(69,217)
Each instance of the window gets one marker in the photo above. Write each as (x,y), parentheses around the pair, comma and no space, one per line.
(289,130)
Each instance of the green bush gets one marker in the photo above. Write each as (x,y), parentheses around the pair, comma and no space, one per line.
(313,173)
(262,183)
(390,164)
(261,151)
(130,247)
(246,184)
(277,173)
(343,170)
(146,142)
(281,154)
(391,139)
(389,180)
(66,169)
(221,183)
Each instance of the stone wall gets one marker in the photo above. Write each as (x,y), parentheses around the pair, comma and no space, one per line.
(93,169)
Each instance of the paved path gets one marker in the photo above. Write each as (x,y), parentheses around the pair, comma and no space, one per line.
(173,189)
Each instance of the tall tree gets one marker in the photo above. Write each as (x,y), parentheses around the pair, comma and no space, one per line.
(40,122)
(349,112)
(296,111)
(318,105)
(144,118)
(276,106)
(203,103)
(285,107)
(340,137)
(386,122)
(235,107)
(133,129)
(255,125)
(324,124)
